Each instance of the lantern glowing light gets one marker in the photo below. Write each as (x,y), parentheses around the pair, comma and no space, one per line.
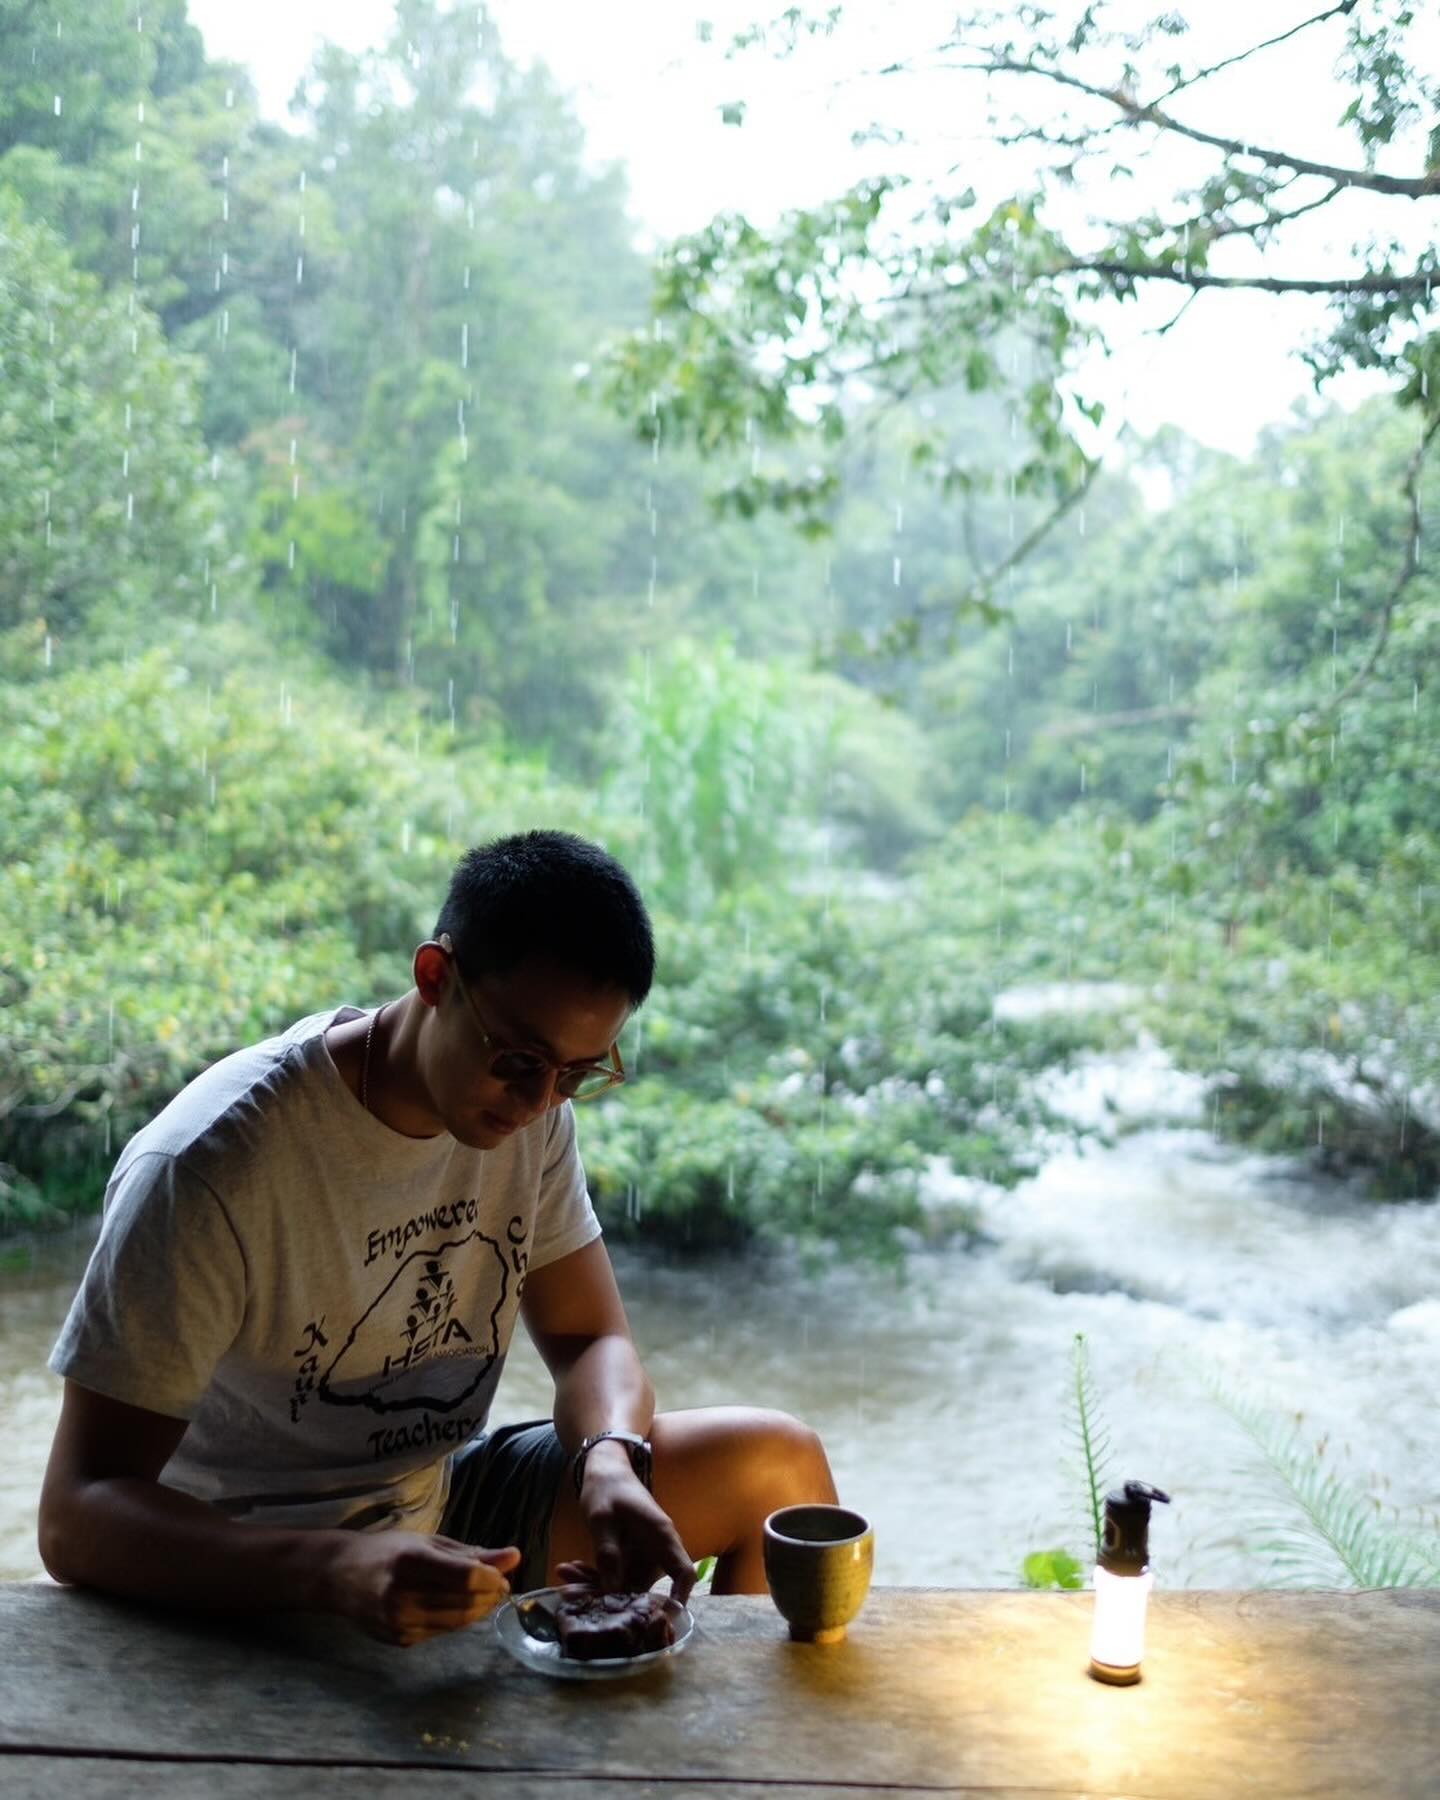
(1122,1585)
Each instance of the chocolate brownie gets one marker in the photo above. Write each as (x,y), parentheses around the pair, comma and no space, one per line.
(594,1625)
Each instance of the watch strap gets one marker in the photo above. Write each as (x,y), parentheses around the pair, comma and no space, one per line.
(641,1456)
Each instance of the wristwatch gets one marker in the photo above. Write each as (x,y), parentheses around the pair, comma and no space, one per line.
(642,1458)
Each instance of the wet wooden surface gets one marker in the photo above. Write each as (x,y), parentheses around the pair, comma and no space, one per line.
(935,1691)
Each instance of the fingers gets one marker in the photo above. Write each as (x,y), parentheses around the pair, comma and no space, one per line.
(418,1628)
(609,1563)
(454,1615)
(582,1574)
(629,1561)
(436,1580)
(682,1577)
(675,1562)
(506,1558)
(415,1612)
(401,1587)
(460,1567)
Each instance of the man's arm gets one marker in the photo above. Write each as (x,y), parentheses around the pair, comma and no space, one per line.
(573,1312)
(106,1521)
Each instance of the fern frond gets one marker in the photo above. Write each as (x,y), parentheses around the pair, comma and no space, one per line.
(1092,1437)
(1337,1525)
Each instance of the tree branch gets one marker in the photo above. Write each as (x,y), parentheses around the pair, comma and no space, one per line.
(1410,562)
(1266,284)
(1419,187)
(1272,218)
(1410,487)
(1174,320)
(1421,282)
(1144,715)
(1189,81)
(981,589)
(52,1109)
(120,1066)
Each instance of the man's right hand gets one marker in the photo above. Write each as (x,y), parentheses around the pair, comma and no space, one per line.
(106,1521)
(403,1588)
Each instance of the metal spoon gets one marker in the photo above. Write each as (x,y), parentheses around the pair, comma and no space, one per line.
(536,1619)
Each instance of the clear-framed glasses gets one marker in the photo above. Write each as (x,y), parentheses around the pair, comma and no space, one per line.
(507,1062)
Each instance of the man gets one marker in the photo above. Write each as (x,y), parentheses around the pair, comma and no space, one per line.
(281,1358)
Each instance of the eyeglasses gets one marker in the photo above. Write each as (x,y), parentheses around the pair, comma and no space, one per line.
(574,1081)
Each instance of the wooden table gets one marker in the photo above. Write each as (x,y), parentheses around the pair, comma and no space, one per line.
(935,1691)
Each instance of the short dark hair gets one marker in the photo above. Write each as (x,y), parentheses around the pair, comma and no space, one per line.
(549,894)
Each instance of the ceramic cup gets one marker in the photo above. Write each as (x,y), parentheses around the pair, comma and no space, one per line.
(818,1561)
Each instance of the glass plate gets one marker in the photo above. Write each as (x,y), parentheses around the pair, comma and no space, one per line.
(546,1658)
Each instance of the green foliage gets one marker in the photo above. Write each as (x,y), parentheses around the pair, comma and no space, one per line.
(765,1167)
(1391,93)
(78,53)
(801,1062)
(321,562)
(1298,838)
(1329,1534)
(191,864)
(708,751)
(1052,1569)
(1093,681)
(1257,856)
(907,284)
(875,773)
(330,390)
(199,855)
(1092,1438)
(103,504)
(762,334)
(511,521)
(23,1206)
(461,523)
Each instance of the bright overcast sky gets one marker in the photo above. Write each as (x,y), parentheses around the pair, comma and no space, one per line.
(649,93)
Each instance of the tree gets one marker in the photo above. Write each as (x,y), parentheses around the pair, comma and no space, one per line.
(475,262)
(86,91)
(906,285)
(104,508)
(201,843)
(89,53)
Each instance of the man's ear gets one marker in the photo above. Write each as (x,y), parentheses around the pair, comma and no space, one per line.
(432,973)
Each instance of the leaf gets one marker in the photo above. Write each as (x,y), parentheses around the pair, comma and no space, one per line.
(1094,1438)
(1052,1569)
(1334,1529)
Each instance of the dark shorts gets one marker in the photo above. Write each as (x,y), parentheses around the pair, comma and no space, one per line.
(503,1486)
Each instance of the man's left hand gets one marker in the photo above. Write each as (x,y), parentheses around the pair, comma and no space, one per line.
(635,1541)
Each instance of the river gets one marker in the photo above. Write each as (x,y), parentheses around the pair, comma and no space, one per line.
(943,1398)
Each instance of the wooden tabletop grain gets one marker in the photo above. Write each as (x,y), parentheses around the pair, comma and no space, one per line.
(935,1691)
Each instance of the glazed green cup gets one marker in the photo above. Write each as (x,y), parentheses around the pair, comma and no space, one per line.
(818,1561)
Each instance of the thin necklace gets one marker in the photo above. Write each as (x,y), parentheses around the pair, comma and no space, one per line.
(365,1065)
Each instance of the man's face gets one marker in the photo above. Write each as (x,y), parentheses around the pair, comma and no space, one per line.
(540,1008)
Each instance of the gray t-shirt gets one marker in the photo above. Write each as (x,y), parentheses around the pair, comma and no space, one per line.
(326,1302)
